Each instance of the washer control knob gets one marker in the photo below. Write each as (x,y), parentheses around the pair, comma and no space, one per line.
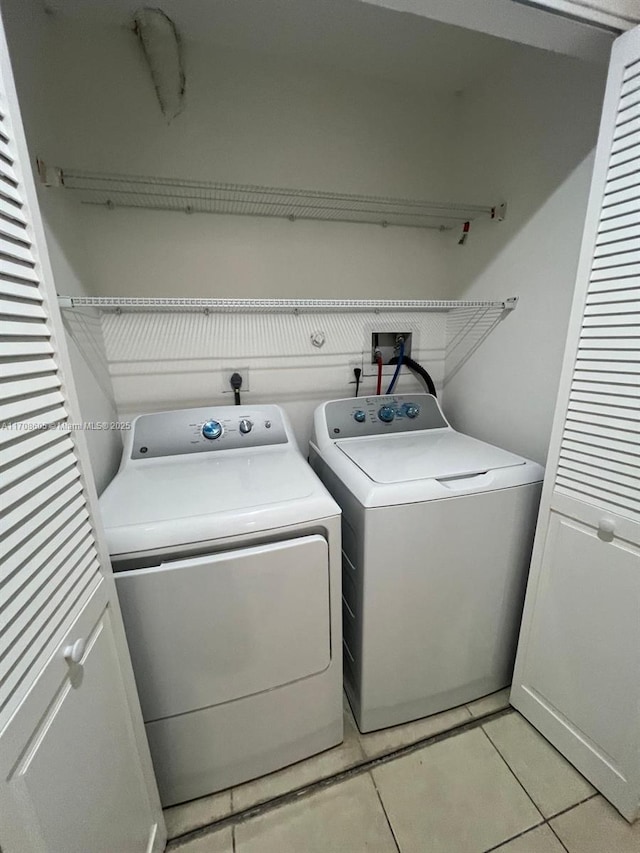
(360,416)
(245,426)
(386,414)
(212,429)
(411,410)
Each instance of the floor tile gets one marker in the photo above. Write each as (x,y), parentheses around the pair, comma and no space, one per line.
(304,772)
(216,842)
(197,813)
(596,827)
(551,782)
(456,795)
(386,740)
(490,704)
(539,840)
(344,818)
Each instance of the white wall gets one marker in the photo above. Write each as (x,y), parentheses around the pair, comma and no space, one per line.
(249,119)
(526,136)
(97,401)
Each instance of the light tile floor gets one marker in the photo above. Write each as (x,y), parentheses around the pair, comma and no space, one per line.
(355,749)
(497,787)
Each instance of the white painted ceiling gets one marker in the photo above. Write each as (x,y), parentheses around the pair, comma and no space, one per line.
(346,35)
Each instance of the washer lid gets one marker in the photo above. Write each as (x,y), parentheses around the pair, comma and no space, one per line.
(430,455)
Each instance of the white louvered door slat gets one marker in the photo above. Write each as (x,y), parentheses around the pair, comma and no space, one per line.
(43,447)
(12,229)
(9,369)
(7,174)
(576,676)
(65,499)
(12,211)
(54,574)
(15,250)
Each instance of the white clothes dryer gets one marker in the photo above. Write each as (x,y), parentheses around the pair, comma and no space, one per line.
(226,549)
(437,531)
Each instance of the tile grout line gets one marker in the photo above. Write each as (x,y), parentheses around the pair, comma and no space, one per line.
(335,779)
(393,834)
(555,834)
(510,769)
(514,837)
(546,821)
(574,806)
(564,811)
(233,826)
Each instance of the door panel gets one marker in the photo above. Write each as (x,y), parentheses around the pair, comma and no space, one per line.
(208,630)
(586,639)
(77,769)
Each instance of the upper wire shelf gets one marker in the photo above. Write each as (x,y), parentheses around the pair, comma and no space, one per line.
(282,306)
(157,193)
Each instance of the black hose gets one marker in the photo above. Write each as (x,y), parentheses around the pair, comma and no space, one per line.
(419,369)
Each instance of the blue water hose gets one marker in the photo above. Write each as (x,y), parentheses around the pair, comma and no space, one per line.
(397,370)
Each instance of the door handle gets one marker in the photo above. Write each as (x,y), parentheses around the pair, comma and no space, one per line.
(606,529)
(73,653)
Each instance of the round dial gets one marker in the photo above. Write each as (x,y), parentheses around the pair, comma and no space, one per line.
(386,414)
(245,426)
(360,416)
(212,429)
(411,410)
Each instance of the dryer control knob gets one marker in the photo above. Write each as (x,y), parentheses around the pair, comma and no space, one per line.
(212,429)
(360,416)
(411,410)
(386,414)
(245,426)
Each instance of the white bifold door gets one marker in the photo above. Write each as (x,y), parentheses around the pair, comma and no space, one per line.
(75,771)
(577,676)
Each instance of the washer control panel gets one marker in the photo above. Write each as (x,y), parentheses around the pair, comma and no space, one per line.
(362,416)
(205,430)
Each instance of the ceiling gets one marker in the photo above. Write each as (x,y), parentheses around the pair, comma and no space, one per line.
(345,35)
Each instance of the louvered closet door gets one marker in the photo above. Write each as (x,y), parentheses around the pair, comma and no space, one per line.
(577,676)
(72,750)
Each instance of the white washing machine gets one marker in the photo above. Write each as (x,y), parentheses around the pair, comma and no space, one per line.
(437,530)
(226,553)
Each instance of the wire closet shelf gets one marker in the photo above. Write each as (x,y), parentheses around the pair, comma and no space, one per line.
(278,306)
(189,196)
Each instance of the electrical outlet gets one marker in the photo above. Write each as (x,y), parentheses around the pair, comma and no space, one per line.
(388,344)
(227,373)
(351,379)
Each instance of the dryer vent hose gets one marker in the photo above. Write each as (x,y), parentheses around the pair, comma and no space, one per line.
(419,370)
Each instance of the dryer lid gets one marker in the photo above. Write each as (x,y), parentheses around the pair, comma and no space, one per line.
(429,455)
(164,490)
(179,501)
